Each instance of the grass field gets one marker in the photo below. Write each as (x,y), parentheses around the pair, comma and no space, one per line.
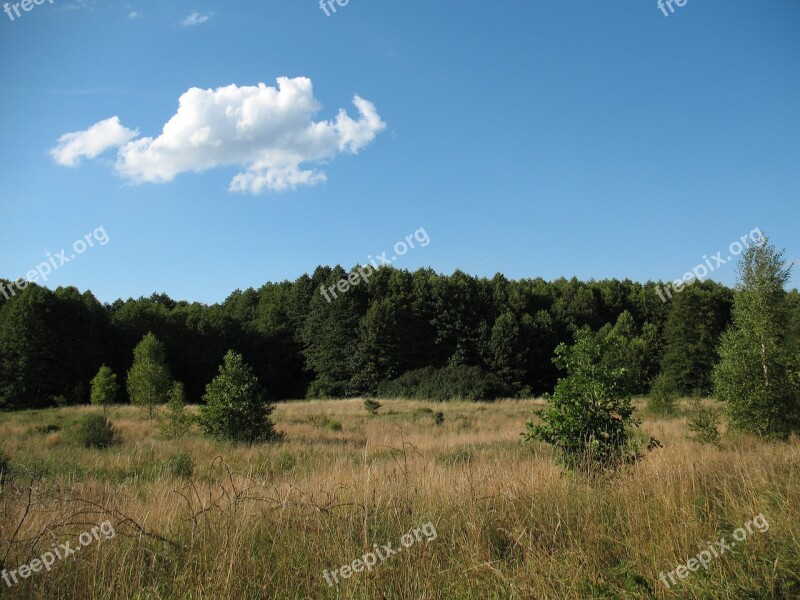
(267,521)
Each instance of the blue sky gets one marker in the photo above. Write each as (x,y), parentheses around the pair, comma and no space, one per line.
(533,138)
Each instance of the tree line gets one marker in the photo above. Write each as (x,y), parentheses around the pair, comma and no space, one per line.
(398,333)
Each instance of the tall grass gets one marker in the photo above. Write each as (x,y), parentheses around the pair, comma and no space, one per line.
(266,521)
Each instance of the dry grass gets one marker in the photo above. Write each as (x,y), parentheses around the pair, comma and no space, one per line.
(264,522)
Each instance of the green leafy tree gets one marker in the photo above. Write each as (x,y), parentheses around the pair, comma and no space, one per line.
(104,387)
(235,408)
(590,413)
(176,421)
(149,378)
(756,375)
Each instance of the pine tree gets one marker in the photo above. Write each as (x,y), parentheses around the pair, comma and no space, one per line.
(104,387)
(756,375)
(149,378)
(235,407)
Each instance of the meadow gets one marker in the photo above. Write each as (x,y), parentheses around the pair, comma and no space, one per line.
(199,519)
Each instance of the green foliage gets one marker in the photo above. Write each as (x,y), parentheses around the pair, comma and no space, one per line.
(104,387)
(663,397)
(180,466)
(323,422)
(705,423)
(757,373)
(590,413)
(438,419)
(175,422)
(372,406)
(698,315)
(236,409)
(95,431)
(149,379)
(448,383)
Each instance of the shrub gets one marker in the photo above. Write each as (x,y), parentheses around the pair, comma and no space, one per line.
(324,422)
(176,421)
(372,407)
(663,397)
(590,414)
(236,409)
(181,466)
(448,383)
(705,423)
(438,418)
(95,431)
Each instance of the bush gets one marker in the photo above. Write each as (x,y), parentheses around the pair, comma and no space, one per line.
(663,397)
(324,422)
(236,409)
(590,416)
(95,431)
(372,407)
(438,418)
(705,423)
(447,383)
(180,466)
(176,421)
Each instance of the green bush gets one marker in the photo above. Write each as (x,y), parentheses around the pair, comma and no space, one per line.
(438,419)
(236,408)
(323,422)
(447,383)
(95,431)
(181,466)
(590,417)
(705,423)
(663,397)
(372,407)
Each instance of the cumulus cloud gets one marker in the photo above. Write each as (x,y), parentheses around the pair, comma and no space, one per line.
(72,147)
(269,132)
(195,19)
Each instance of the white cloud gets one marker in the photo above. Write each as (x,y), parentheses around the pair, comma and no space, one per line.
(270,132)
(72,147)
(195,19)
(133,15)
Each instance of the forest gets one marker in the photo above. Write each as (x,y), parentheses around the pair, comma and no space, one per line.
(385,337)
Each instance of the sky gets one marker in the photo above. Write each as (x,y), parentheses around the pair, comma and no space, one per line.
(198,147)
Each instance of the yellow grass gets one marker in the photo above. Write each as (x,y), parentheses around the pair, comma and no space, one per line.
(266,521)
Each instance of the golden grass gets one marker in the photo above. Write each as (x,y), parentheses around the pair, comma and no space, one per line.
(265,521)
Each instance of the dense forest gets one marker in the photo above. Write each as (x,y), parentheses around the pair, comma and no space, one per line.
(402,326)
